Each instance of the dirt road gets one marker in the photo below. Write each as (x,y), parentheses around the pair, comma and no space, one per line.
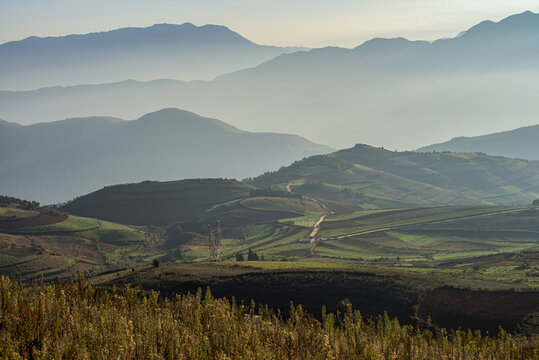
(316,226)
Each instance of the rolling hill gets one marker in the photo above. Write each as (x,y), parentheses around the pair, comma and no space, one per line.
(54,162)
(248,216)
(368,177)
(387,92)
(190,201)
(185,52)
(37,241)
(158,203)
(519,143)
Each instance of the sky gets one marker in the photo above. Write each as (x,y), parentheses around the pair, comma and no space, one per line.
(310,23)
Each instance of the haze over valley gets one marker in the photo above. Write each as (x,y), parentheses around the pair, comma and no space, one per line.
(180,191)
(57,161)
(382,92)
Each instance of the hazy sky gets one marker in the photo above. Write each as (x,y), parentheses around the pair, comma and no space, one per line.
(313,23)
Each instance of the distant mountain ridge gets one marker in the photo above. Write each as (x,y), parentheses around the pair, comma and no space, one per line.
(519,143)
(387,92)
(54,162)
(184,52)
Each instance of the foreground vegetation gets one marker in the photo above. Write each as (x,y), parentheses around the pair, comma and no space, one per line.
(81,321)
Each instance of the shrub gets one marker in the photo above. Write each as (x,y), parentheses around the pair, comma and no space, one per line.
(80,321)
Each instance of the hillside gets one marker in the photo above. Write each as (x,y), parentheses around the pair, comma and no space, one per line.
(37,241)
(184,52)
(157,203)
(519,143)
(368,177)
(54,162)
(386,92)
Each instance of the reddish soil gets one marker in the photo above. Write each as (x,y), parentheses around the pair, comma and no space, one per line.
(81,249)
(529,257)
(34,267)
(372,295)
(45,217)
(17,246)
(485,310)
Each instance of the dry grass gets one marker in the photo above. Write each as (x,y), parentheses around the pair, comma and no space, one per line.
(83,322)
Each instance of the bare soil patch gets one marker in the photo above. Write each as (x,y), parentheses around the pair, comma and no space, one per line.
(44,217)
(484,310)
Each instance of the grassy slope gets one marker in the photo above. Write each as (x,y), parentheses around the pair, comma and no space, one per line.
(62,248)
(372,178)
(419,240)
(366,221)
(254,222)
(71,224)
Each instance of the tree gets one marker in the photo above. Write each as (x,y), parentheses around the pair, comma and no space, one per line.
(252,256)
(239,257)
(155,263)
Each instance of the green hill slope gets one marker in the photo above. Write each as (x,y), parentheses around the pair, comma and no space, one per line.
(51,243)
(248,216)
(368,177)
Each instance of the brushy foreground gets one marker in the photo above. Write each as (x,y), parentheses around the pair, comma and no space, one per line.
(83,322)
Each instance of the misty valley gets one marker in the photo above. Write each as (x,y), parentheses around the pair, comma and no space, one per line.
(181,192)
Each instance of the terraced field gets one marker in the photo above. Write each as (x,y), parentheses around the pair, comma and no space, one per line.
(53,244)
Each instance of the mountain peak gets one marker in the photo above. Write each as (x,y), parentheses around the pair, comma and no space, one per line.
(178,116)
(526,21)
(170,112)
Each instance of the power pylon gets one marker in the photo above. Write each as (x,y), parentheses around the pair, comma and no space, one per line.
(214,242)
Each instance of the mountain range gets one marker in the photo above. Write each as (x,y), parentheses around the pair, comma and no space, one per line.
(185,52)
(388,92)
(54,162)
(518,143)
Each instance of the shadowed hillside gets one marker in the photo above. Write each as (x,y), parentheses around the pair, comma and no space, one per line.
(158,203)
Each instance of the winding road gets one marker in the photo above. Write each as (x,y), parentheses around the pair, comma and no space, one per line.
(316,226)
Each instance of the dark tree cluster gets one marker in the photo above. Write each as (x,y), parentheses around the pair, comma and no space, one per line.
(14,202)
(239,257)
(251,256)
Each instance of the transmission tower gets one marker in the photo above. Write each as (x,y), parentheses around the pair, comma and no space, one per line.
(214,242)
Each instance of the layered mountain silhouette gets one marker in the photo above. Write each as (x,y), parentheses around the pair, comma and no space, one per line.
(185,52)
(388,92)
(56,161)
(369,177)
(519,143)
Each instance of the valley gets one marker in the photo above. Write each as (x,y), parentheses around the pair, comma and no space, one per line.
(158,198)
(153,235)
